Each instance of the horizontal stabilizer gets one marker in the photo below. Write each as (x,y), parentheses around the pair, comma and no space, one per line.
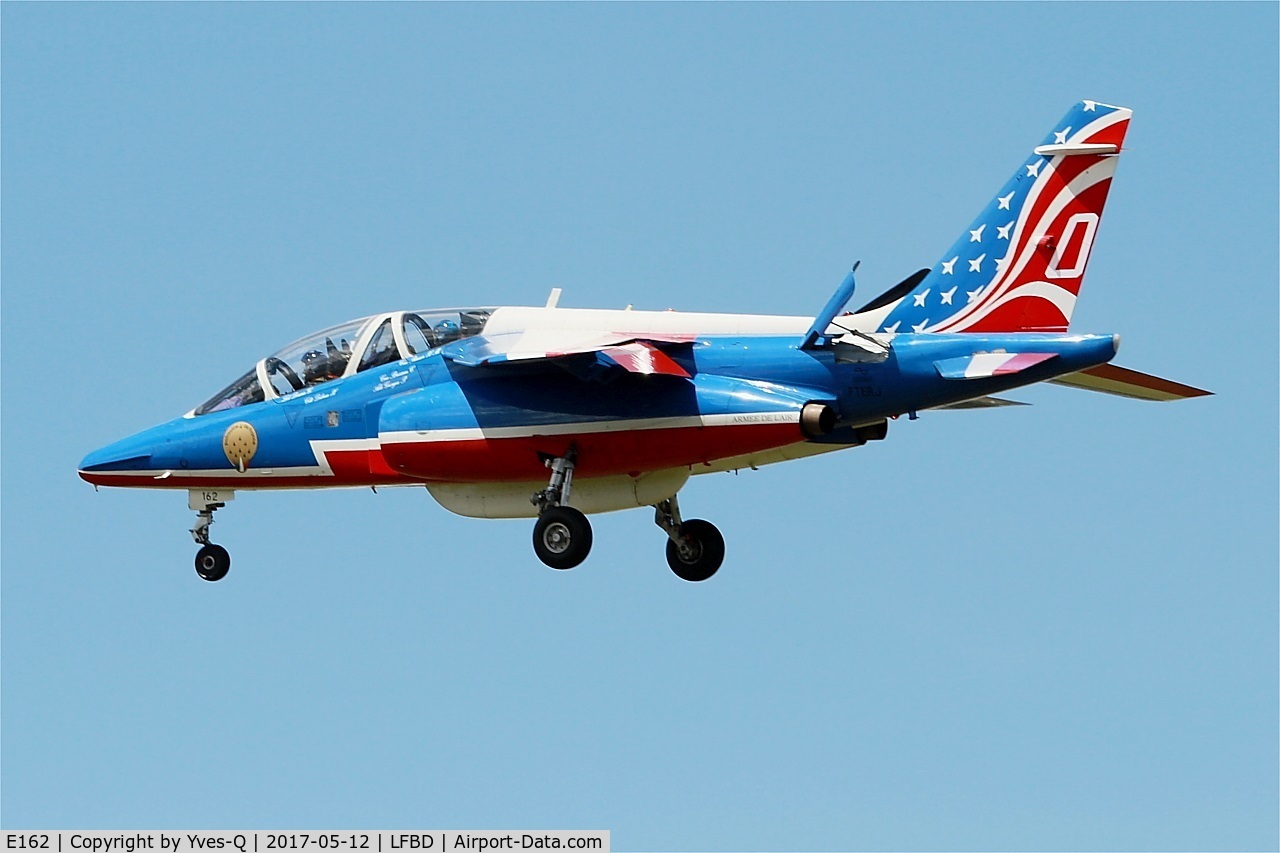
(983,403)
(984,365)
(1110,379)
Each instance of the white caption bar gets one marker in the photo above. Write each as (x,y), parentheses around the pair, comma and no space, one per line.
(345,841)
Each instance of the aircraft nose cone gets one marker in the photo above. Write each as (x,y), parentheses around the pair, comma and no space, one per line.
(1115,343)
(124,455)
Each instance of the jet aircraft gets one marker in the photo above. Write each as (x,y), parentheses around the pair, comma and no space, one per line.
(554,413)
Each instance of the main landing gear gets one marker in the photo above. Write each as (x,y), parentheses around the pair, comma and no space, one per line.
(695,548)
(562,534)
(212,561)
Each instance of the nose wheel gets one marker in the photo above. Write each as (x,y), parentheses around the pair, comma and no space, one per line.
(212,561)
(695,548)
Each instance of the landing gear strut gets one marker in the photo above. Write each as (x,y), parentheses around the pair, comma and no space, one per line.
(562,534)
(212,561)
(695,548)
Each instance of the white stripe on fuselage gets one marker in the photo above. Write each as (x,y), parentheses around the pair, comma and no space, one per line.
(586,427)
(320,448)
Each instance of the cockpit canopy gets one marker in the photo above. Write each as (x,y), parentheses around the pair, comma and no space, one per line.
(345,350)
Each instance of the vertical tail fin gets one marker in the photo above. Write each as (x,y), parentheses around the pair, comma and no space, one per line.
(1019,266)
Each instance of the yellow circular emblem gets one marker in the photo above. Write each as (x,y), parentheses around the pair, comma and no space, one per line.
(240,442)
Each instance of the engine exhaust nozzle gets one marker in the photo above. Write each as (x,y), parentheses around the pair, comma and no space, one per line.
(817,420)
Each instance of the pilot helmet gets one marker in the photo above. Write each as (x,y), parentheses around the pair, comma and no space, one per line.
(314,367)
(447,330)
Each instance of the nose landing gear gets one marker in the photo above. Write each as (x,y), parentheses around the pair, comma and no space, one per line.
(695,548)
(212,561)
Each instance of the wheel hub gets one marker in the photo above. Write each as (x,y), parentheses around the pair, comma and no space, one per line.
(690,550)
(556,537)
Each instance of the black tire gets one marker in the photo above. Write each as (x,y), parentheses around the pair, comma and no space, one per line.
(562,537)
(707,551)
(213,562)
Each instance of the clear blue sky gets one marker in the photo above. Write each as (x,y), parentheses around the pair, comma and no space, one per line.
(1046,628)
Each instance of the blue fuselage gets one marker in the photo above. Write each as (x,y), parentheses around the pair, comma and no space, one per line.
(429,419)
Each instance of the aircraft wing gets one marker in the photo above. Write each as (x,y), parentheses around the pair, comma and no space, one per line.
(982,403)
(1123,382)
(643,355)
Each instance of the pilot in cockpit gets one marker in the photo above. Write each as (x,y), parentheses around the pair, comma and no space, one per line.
(318,367)
(446,331)
(315,368)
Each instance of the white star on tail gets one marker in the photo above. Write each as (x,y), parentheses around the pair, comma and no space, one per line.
(949,267)
(1000,262)
(976,236)
(1091,106)
(919,327)
(1004,201)
(975,265)
(919,297)
(1033,171)
(973,294)
(947,294)
(1002,232)
(893,330)
(1060,136)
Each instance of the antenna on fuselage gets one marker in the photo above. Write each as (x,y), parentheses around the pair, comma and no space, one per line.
(554,298)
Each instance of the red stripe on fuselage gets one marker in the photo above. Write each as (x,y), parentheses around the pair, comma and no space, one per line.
(492,459)
(599,454)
